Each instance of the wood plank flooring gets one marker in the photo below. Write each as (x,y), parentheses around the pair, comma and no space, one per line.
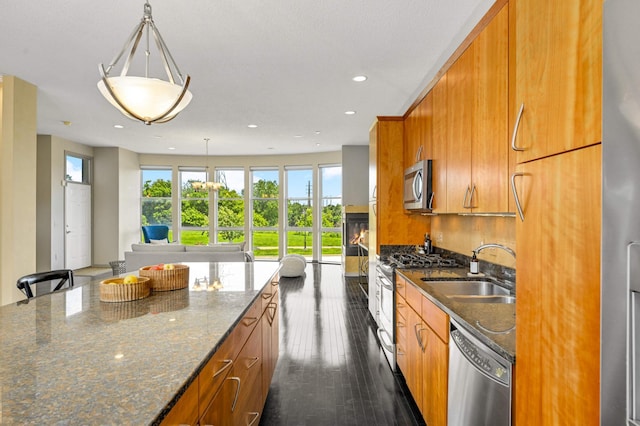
(331,370)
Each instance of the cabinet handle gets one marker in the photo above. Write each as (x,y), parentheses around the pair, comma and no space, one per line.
(419,337)
(466,194)
(418,153)
(272,314)
(266,296)
(515,194)
(473,191)
(235,398)
(228,364)
(387,346)
(249,321)
(375,210)
(255,415)
(375,191)
(430,204)
(253,362)
(515,130)
(275,283)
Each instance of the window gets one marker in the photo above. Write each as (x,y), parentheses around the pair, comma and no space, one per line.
(155,203)
(299,229)
(77,169)
(331,213)
(230,205)
(265,191)
(194,208)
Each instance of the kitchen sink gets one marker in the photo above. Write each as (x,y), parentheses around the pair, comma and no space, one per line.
(469,288)
(482,299)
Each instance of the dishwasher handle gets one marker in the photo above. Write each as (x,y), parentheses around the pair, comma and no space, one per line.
(482,359)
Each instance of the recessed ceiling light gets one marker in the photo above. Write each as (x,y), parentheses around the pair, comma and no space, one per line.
(118,126)
(360,78)
(252,126)
(297,136)
(157,136)
(350,112)
(171,148)
(317,132)
(66,123)
(318,144)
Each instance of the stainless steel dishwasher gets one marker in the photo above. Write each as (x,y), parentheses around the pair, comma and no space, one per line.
(479,383)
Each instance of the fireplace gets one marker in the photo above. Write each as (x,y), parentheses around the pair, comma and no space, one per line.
(355,229)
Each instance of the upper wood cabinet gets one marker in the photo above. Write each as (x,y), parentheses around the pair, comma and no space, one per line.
(437,146)
(388,220)
(477,121)
(417,132)
(558,77)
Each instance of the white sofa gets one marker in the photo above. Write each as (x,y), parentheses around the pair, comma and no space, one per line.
(152,254)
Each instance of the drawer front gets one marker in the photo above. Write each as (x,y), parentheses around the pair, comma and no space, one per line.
(216,370)
(249,362)
(436,319)
(185,412)
(248,322)
(414,298)
(401,285)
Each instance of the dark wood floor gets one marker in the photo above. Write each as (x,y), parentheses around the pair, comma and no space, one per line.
(331,370)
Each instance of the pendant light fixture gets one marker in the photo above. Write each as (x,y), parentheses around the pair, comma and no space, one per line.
(207,185)
(150,100)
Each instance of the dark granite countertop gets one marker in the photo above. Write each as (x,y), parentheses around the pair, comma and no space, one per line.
(68,358)
(493,316)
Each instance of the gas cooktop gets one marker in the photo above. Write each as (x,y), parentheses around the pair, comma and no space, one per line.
(420,260)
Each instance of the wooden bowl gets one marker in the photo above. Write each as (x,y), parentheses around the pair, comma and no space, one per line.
(115,290)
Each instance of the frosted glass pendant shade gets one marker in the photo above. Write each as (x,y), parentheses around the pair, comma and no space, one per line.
(148,98)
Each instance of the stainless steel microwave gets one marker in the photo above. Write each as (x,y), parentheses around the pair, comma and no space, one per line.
(418,193)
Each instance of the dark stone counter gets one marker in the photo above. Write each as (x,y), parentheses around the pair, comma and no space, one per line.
(492,316)
(68,358)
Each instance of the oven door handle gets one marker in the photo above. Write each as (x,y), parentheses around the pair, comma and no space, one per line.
(387,347)
(385,283)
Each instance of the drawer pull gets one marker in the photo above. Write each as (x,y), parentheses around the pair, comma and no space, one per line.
(248,321)
(228,363)
(235,399)
(515,130)
(253,362)
(266,296)
(419,336)
(255,415)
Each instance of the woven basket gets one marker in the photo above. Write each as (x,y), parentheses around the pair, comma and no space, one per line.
(169,301)
(114,290)
(118,311)
(167,279)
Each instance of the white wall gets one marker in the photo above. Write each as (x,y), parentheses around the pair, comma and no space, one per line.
(355,175)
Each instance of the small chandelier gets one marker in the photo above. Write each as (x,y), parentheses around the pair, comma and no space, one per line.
(206,186)
(147,99)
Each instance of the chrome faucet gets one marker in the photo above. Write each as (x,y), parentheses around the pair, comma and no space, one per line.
(494,245)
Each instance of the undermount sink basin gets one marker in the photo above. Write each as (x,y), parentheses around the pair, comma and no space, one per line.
(483,299)
(469,288)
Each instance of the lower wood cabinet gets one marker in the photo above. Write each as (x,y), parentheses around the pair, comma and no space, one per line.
(232,387)
(422,347)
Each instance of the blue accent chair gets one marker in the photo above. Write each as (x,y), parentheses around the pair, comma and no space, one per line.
(155,232)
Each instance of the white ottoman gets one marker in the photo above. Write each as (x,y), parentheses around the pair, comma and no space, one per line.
(292,265)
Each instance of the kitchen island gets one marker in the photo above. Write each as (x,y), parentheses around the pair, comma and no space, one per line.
(68,358)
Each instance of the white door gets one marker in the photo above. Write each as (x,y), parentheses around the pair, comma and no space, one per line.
(77,210)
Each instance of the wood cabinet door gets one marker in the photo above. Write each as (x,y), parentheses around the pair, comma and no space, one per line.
(412,137)
(460,107)
(416,341)
(185,412)
(436,365)
(558,77)
(439,143)
(490,145)
(402,359)
(558,290)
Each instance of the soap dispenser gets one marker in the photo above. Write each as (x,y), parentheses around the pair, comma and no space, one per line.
(427,243)
(473,264)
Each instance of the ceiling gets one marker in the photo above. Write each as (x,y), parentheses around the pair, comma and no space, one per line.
(285,66)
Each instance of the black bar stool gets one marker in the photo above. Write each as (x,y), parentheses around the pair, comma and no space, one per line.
(64,275)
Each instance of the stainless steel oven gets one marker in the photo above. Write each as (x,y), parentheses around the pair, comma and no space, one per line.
(386,313)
